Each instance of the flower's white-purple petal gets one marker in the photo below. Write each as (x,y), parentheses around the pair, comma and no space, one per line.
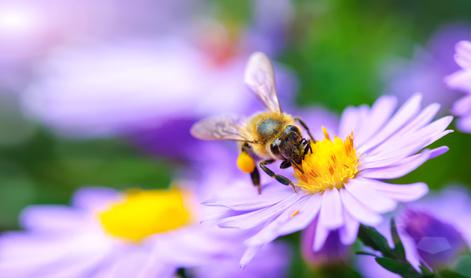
(394,158)
(361,190)
(245,198)
(438,151)
(82,265)
(460,80)
(402,116)
(462,107)
(54,218)
(463,54)
(359,130)
(28,254)
(306,214)
(348,121)
(359,211)
(424,118)
(412,254)
(258,217)
(249,254)
(194,245)
(401,192)
(152,269)
(464,123)
(406,166)
(271,261)
(331,214)
(395,149)
(379,114)
(94,198)
(348,233)
(271,231)
(322,233)
(296,218)
(185,256)
(21,255)
(135,261)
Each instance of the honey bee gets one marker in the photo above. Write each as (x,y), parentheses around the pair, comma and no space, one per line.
(269,136)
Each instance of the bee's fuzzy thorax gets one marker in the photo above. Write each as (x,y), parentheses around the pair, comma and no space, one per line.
(277,122)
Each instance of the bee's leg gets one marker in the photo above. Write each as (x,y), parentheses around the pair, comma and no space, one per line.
(255,174)
(285,164)
(255,177)
(281,179)
(304,125)
(307,146)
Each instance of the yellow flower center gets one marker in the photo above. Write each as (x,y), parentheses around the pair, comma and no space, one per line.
(331,164)
(143,213)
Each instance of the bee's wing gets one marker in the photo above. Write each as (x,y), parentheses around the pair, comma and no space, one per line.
(220,128)
(260,77)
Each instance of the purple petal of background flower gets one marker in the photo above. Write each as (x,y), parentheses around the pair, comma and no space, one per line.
(427,69)
(332,252)
(434,229)
(272,261)
(438,243)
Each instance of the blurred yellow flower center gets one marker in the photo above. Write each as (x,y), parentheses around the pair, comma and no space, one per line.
(331,164)
(144,213)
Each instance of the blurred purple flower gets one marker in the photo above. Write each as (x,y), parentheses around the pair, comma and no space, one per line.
(461,80)
(30,30)
(438,243)
(271,262)
(341,184)
(143,90)
(425,72)
(110,234)
(333,251)
(138,70)
(434,230)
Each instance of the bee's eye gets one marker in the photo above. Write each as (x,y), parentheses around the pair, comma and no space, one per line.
(275,147)
(292,128)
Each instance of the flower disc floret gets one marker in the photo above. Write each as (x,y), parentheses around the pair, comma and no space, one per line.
(330,165)
(141,214)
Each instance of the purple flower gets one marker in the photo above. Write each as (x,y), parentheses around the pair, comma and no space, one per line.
(108,89)
(341,184)
(271,262)
(333,251)
(425,71)
(461,80)
(438,243)
(138,90)
(134,71)
(108,234)
(434,230)
(31,30)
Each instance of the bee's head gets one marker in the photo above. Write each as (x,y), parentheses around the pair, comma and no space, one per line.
(289,145)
